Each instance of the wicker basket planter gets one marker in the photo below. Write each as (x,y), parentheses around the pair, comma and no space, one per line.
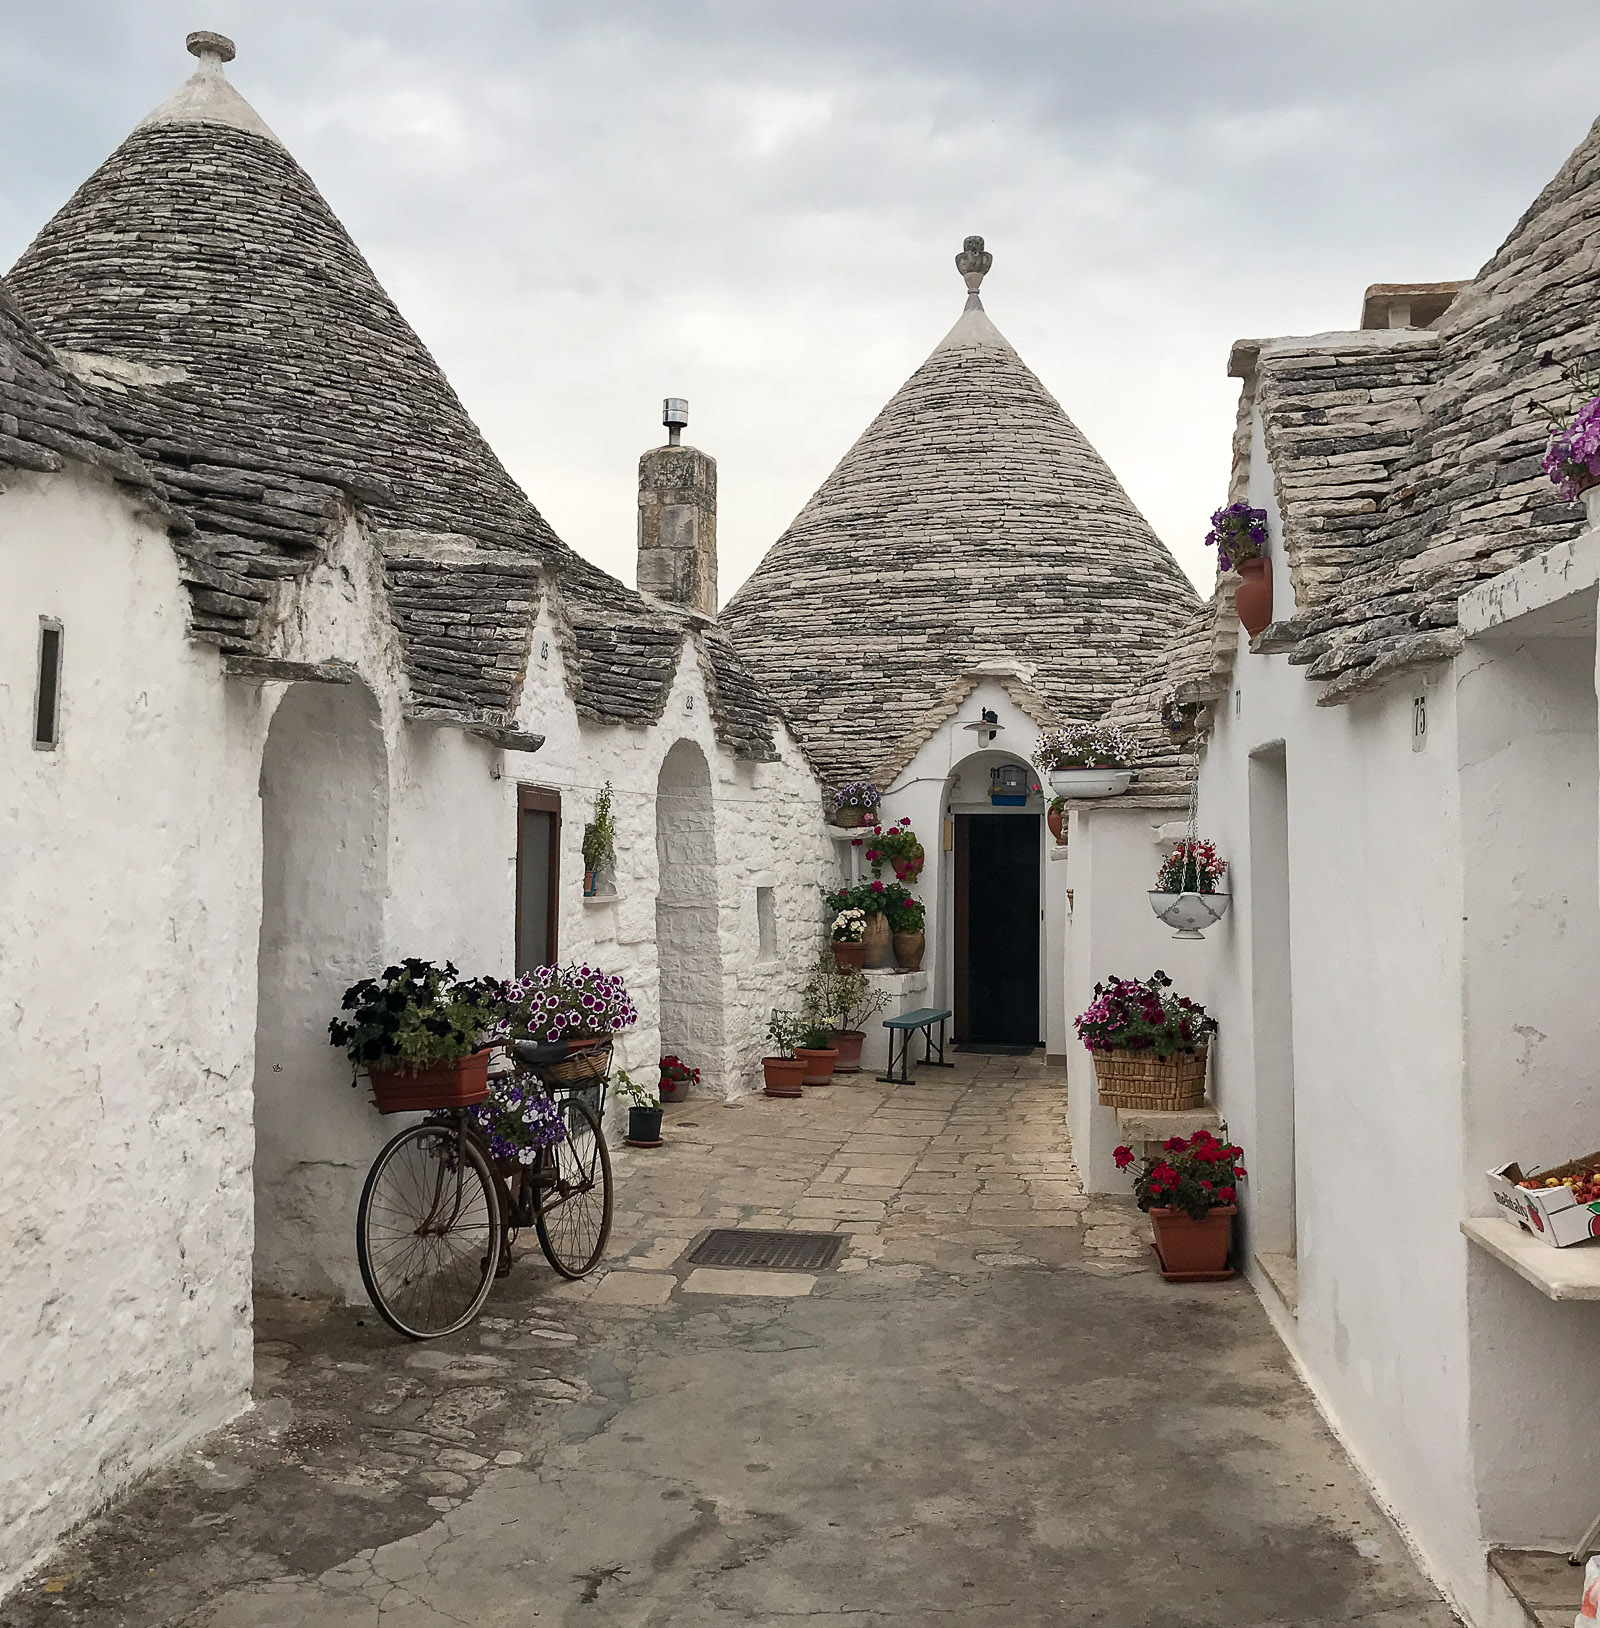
(1139,1079)
(588,1060)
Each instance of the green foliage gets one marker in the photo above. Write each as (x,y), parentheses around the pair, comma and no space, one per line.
(815,1037)
(600,835)
(415,1015)
(1194,1175)
(840,997)
(635,1091)
(906,914)
(784,1030)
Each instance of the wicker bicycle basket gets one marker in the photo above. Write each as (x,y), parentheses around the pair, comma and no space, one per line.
(1134,1079)
(582,1067)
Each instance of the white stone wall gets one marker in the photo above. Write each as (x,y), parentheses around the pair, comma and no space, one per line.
(129,868)
(142,1137)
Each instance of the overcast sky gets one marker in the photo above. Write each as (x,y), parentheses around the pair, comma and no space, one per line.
(585,206)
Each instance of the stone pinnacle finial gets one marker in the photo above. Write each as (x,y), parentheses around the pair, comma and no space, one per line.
(973,262)
(203,44)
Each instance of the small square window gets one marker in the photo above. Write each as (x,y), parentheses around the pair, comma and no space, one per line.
(767,922)
(47,687)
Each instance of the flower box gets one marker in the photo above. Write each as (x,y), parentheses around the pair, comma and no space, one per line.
(1140,1079)
(456,1084)
(1554,1215)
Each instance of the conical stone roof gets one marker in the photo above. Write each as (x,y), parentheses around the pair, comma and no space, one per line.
(235,339)
(971,523)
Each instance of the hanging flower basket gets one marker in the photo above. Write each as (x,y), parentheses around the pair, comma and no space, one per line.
(1086,760)
(1090,782)
(1190,913)
(1187,894)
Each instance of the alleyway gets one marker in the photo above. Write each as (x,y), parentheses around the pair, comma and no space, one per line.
(990,1411)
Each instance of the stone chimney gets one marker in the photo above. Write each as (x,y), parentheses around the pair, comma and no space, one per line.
(678,519)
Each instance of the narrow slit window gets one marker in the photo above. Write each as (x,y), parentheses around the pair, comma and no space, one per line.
(47,688)
(767,923)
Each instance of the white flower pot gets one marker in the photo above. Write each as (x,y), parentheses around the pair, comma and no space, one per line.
(1090,782)
(1190,913)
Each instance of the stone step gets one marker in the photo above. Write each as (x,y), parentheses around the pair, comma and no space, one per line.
(1156,1125)
(1541,1583)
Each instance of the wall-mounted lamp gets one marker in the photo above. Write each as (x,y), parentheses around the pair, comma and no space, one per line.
(988,723)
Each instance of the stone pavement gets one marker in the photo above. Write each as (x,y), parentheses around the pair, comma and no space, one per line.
(989,1411)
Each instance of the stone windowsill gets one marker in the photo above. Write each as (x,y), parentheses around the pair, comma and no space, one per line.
(601,898)
(1283,1273)
(1572,1273)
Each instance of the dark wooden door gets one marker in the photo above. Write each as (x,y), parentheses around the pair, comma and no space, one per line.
(997,928)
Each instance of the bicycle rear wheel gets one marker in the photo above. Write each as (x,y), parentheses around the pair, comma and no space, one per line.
(572,1194)
(428,1231)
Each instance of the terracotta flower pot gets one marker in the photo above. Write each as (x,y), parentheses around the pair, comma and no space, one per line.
(849,955)
(848,1044)
(785,1076)
(1056,819)
(455,1084)
(1193,1249)
(1253,597)
(908,948)
(875,948)
(819,1064)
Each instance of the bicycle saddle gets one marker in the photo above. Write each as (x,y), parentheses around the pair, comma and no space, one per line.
(535,1052)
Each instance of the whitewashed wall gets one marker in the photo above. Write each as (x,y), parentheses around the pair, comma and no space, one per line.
(129,869)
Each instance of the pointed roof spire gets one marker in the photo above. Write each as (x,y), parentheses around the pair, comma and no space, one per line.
(973,263)
(206,97)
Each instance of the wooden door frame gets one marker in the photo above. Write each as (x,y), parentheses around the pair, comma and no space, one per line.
(541,800)
(960,916)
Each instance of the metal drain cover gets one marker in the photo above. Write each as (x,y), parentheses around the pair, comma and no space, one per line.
(771,1251)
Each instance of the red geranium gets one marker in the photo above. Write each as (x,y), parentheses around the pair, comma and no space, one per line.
(1194,1174)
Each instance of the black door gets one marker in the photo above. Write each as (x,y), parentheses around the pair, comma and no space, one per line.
(997,967)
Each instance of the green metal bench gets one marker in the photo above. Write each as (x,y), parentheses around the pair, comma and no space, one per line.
(901,1030)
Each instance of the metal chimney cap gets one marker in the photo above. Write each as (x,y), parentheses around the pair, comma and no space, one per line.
(675,411)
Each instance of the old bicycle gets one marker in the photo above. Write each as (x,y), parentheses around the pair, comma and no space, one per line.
(439,1214)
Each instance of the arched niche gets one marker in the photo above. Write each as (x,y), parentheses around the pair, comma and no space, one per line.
(687,932)
(324,844)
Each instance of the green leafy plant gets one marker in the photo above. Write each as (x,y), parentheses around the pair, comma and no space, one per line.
(635,1091)
(784,1030)
(814,1037)
(1194,1175)
(600,835)
(897,844)
(414,1015)
(843,998)
(906,914)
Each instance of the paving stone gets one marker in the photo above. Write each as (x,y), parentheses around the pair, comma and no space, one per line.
(766,1285)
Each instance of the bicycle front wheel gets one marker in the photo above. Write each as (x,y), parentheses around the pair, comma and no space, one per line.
(428,1231)
(572,1193)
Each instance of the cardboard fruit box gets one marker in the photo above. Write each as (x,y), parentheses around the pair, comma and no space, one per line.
(1551,1214)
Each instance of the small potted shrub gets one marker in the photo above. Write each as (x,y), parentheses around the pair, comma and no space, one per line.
(1086,760)
(848,935)
(1188,892)
(1149,1045)
(908,919)
(842,999)
(856,803)
(599,841)
(815,1048)
(1239,535)
(644,1111)
(1189,1190)
(676,1079)
(899,845)
(1056,818)
(785,1073)
(422,1033)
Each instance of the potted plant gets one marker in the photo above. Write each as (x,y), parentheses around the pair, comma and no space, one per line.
(1239,535)
(907,927)
(676,1079)
(577,1004)
(1149,1045)
(848,935)
(1056,818)
(815,1048)
(856,803)
(867,897)
(843,998)
(644,1111)
(785,1073)
(516,1123)
(599,841)
(1188,892)
(422,1033)
(898,844)
(1572,459)
(1189,1190)
(1086,760)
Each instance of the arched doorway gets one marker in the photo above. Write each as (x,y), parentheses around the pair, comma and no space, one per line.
(687,938)
(996,899)
(324,840)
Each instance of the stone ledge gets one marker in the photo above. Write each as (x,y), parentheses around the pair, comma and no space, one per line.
(1572,1273)
(1283,1273)
(1156,1125)
(1542,1583)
